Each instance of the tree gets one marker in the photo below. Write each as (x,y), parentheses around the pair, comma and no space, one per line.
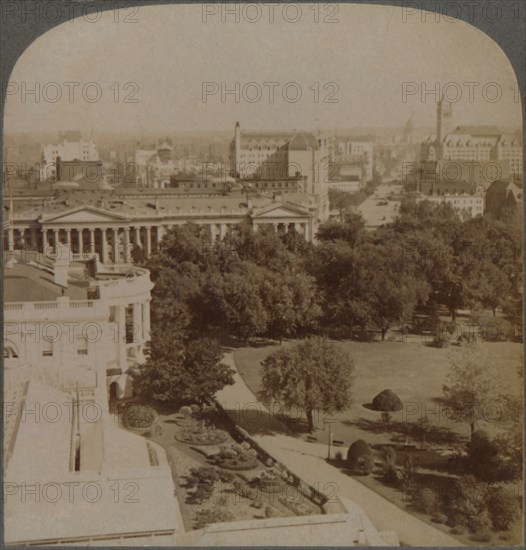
(342,273)
(202,373)
(175,371)
(393,293)
(291,301)
(490,286)
(239,300)
(313,375)
(158,378)
(351,229)
(471,385)
(340,200)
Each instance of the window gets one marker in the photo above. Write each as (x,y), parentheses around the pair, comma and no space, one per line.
(82,345)
(47,348)
(130,325)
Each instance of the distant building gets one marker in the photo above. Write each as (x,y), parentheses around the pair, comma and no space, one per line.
(154,167)
(283,155)
(355,158)
(87,173)
(459,165)
(463,190)
(502,196)
(452,174)
(472,143)
(468,199)
(110,224)
(67,151)
(347,186)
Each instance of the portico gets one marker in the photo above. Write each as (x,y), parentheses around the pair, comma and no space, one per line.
(113,235)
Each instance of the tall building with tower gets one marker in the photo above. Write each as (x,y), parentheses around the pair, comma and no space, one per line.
(459,165)
(433,147)
(297,156)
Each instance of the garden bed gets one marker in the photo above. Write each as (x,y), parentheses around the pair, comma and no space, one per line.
(237,488)
(202,438)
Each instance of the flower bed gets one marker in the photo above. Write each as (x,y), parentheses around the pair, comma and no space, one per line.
(269,481)
(214,437)
(233,457)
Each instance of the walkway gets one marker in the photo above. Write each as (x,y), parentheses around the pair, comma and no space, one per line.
(308,461)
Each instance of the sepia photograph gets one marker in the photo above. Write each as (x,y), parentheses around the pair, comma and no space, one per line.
(263,273)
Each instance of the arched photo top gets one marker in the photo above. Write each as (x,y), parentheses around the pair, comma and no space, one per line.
(201,67)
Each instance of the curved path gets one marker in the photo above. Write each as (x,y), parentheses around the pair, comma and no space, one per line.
(308,461)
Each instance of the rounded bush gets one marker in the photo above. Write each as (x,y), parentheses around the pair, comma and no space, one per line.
(387,401)
(357,450)
(139,416)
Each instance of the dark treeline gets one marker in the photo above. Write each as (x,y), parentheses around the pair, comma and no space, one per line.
(262,284)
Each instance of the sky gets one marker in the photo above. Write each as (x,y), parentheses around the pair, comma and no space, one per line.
(153,72)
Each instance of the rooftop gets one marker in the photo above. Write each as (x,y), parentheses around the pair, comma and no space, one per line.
(27,283)
(478,131)
(133,495)
(133,205)
(30,278)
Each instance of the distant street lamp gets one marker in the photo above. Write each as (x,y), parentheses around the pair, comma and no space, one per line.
(329,439)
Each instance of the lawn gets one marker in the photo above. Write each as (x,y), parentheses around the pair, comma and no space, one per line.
(414,371)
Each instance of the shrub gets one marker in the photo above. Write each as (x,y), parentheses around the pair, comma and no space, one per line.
(204,480)
(235,458)
(468,508)
(227,477)
(387,400)
(503,508)
(356,455)
(389,455)
(409,470)
(268,480)
(245,491)
(185,411)
(485,458)
(390,473)
(216,515)
(139,416)
(439,518)
(493,329)
(357,449)
(367,464)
